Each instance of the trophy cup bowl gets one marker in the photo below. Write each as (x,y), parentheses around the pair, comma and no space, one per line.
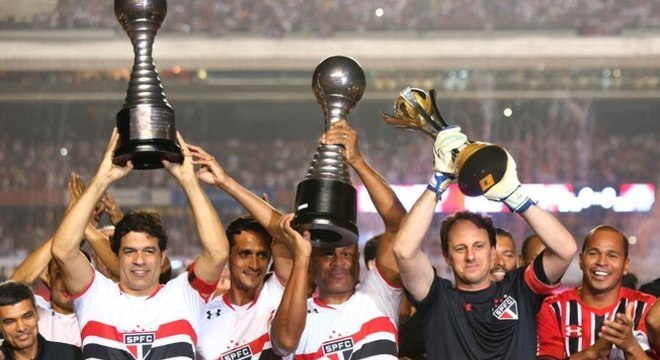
(479,165)
(326,202)
(146,120)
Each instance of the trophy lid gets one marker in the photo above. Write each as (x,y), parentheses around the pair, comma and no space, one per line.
(338,84)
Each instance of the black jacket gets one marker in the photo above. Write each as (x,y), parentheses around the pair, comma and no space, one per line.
(48,350)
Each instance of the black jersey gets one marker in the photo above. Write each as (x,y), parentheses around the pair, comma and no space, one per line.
(495,323)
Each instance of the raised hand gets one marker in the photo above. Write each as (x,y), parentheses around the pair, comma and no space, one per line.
(109,172)
(509,190)
(210,171)
(111,208)
(447,142)
(184,170)
(299,245)
(341,133)
(76,189)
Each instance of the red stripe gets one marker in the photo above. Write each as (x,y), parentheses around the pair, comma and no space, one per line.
(204,289)
(535,284)
(257,345)
(179,327)
(381,324)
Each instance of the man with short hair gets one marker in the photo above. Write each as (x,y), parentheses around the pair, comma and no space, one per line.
(585,322)
(478,318)
(532,246)
(347,319)
(254,296)
(138,317)
(19,321)
(505,254)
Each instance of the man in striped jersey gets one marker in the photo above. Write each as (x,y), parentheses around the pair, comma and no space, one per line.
(600,319)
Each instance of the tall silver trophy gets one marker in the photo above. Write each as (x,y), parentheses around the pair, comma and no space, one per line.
(326,202)
(479,165)
(146,120)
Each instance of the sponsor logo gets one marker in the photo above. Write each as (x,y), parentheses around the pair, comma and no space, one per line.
(507,310)
(139,344)
(213,314)
(343,346)
(573,331)
(238,354)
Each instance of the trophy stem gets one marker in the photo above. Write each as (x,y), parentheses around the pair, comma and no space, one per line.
(330,164)
(145,84)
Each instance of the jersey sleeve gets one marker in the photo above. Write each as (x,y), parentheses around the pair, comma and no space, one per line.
(550,340)
(437,287)
(204,289)
(536,279)
(386,295)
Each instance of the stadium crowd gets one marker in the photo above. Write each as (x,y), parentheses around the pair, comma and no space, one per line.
(326,18)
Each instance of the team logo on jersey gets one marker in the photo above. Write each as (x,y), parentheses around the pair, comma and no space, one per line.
(507,310)
(139,344)
(573,331)
(342,347)
(240,353)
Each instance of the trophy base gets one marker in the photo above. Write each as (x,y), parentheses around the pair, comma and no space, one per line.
(148,154)
(480,167)
(328,210)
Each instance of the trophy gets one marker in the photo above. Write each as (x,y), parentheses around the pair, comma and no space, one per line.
(479,165)
(326,202)
(146,120)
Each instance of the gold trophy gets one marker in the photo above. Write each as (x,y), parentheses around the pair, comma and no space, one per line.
(479,165)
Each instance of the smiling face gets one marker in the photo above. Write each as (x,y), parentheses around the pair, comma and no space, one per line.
(505,257)
(140,261)
(335,272)
(603,262)
(470,255)
(19,326)
(248,262)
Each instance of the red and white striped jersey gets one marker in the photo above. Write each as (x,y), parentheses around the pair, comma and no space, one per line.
(164,325)
(362,327)
(567,326)
(231,332)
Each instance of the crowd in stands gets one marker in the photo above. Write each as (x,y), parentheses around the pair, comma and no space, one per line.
(567,144)
(278,18)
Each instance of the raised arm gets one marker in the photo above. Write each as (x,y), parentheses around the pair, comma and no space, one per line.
(290,317)
(36,264)
(560,244)
(215,247)
(385,200)
(77,272)
(213,174)
(416,269)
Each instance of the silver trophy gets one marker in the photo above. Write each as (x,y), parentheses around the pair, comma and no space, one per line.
(326,202)
(479,165)
(146,120)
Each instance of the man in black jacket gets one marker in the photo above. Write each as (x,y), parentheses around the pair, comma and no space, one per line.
(20,329)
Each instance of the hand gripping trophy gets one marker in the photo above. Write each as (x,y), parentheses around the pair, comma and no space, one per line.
(326,202)
(146,120)
(479,165)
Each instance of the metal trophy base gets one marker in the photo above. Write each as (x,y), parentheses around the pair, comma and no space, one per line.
(148,154)
(328,210)
(480,166)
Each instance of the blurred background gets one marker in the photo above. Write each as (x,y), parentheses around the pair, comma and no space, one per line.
(569,87)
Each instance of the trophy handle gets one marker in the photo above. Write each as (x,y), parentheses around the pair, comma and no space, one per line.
(436,110)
